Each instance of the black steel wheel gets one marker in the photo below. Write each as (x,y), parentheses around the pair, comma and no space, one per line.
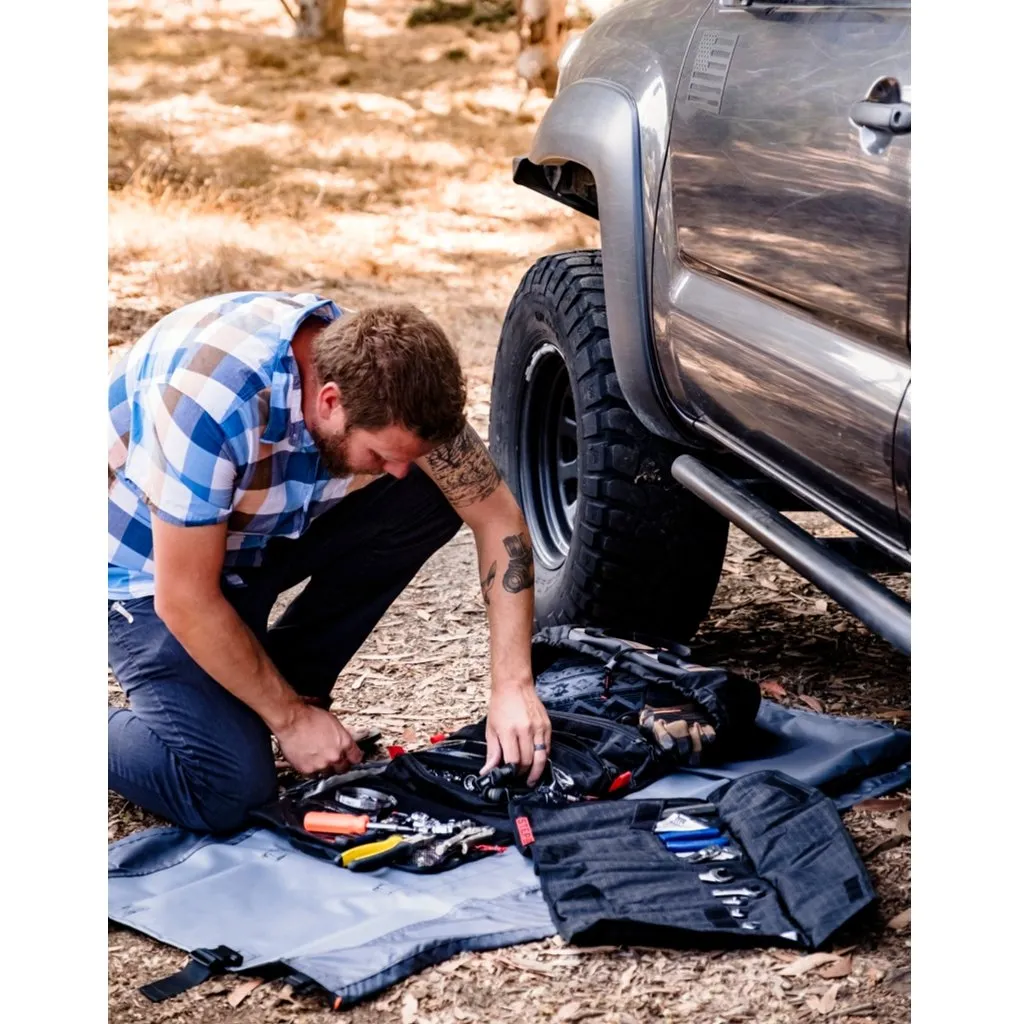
(549,456)
(617,543)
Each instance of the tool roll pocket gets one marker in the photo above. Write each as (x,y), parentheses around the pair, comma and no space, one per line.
(612,873)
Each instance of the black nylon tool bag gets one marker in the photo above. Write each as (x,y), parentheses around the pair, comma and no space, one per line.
(589,758)
(608,879)
(584,671)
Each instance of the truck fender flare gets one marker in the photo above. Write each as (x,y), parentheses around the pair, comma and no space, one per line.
(613,156)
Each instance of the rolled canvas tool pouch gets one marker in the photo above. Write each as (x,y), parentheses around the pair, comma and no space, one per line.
(608,878)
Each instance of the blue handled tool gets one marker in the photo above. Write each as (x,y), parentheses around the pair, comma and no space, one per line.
(700,833)
(681,845)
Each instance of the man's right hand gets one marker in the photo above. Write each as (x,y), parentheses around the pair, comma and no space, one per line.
(315,741)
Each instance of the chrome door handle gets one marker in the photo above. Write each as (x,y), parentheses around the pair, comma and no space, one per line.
(882,117)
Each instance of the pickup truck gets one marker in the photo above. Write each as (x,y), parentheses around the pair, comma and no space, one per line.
(739,346)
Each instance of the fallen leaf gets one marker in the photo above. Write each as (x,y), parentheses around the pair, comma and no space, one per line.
(903,823)
(884,844)
(827,1003)
(410,1004)
(840,969)
(425,616)
(812,702)
(409,734)
(567,1012)
(770,688)
(821,606)
(807,963)
(885,803)
(875,976)
(242,991)
(285,995)
(900,921)
(898,714)
(898,979)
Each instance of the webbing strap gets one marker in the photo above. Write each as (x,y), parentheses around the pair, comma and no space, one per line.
(202,964)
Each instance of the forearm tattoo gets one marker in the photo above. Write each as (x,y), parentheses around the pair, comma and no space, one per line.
(519,574)
(488,581)
(463,469)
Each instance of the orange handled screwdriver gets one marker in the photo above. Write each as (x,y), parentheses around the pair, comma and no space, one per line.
(336,824)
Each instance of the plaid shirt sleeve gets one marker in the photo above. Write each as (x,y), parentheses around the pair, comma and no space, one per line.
(180,459)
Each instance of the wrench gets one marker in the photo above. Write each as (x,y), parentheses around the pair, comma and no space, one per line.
(716,876)
(433,855)
(710,853)
(752,893)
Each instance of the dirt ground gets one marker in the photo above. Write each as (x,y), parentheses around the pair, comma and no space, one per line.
(242,158)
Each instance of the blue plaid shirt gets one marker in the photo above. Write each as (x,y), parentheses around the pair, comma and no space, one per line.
(206,426)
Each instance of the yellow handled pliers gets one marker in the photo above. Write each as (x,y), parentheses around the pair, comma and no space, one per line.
(370,856)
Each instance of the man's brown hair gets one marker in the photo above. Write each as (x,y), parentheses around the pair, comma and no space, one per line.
(394,366)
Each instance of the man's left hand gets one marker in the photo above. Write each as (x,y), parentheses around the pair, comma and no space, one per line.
(518,730)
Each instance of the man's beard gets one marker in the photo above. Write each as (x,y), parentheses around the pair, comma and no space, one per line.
(333,452)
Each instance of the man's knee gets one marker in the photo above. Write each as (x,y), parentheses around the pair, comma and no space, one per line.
(223,804)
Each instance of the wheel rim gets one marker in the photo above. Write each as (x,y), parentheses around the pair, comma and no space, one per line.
(549,456)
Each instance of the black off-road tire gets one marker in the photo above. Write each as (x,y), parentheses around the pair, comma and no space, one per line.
(636,553)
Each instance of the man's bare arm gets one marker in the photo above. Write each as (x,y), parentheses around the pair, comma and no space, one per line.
(464,470)
(188,562)
(466,474)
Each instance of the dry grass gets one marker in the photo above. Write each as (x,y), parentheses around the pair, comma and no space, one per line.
(380,170)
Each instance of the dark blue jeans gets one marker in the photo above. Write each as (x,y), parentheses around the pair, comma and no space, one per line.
(189,751)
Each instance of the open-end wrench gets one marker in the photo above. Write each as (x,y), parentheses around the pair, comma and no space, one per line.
(751,893)
(716,876)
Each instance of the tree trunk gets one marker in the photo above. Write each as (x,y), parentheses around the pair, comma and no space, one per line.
(321,19)
(543,30)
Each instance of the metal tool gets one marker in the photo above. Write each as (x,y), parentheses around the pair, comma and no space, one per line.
(335,824)
(464,837)
(716,876)
(749,926)
(697,845)
(736,913)
(370,850)
(751,893)
(710,853)
(689,835)
(677,822)
(435,854)
(425,823)
(368,801)
(371,856)
(735,901)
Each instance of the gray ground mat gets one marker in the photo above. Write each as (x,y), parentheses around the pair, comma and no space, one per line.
(358,934)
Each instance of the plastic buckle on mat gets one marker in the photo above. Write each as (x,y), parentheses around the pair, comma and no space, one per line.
(203,964)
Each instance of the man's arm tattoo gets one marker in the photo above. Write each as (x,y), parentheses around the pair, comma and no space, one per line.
(519,574)
(463,469)
(488,581)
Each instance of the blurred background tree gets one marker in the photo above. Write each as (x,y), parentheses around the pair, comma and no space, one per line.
(319,19)
(543,26)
